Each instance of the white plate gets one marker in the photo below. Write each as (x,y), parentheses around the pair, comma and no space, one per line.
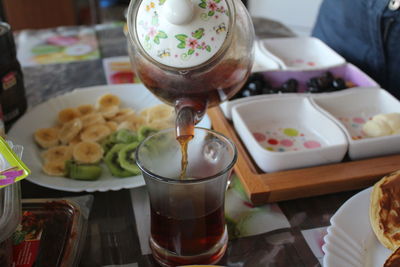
(350,240)
(44,115)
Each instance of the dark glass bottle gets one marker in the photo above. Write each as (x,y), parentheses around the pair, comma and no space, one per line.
(12,90)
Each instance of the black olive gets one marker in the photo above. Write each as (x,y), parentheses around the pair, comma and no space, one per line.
(251,88)
(246,92)
(324,83)
(290,86)
(312,89)
(256,77)
(313,82)
(328,76)
(254,86)
(339,84)
(270,90)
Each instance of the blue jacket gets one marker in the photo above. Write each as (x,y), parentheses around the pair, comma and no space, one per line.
(367,34)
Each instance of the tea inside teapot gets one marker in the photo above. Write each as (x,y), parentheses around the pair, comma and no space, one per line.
(191,54)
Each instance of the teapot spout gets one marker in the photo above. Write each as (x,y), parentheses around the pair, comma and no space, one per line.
(184,124)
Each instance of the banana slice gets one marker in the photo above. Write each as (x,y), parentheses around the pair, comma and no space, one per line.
(92,118)
(95,133)
(58,126)
(87,152)
(108,100)
(160,125)
(55,168)
(126,125)
(108,111)
(70,130)
(85,109)
(135,119)
(112,125)
(68,114)
(122,114)
(75,140)
(132,122)
(159,112)
(57,153)
(46,137)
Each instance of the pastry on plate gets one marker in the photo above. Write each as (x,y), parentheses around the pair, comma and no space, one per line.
(393,260)
(385,210)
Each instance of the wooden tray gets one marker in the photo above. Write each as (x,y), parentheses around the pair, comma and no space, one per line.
(264,188)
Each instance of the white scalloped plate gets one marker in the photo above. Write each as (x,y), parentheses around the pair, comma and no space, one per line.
(44,115)
(350,240)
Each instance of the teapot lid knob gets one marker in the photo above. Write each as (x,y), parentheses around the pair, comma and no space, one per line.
(178,12)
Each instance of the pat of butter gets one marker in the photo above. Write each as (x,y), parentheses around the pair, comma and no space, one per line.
(392,119)
(382,125)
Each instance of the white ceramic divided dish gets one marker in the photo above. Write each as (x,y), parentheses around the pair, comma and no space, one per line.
(351,108)
(301,53)
(262,60)
(287,133)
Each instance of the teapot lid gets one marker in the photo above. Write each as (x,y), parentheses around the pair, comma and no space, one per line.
(181,33)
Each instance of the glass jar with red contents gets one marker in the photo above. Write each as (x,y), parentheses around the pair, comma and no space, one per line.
(12,169)
(10,214)
(51,232)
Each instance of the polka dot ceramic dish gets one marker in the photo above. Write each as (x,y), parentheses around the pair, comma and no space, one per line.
(286,139)
(351,109)
(287,133)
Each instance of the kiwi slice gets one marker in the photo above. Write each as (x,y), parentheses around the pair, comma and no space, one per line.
(145,131)
(83,171)
(126,136)
(107,144)
(126,158)
(113,137)
(159,143)
(111,160)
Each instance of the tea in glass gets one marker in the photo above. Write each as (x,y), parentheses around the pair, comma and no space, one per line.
(187,215)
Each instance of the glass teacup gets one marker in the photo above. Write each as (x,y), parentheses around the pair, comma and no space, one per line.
(187,215)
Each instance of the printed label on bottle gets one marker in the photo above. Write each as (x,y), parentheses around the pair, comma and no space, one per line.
(9,80)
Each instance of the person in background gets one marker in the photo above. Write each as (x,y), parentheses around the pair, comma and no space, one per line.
(367,34)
